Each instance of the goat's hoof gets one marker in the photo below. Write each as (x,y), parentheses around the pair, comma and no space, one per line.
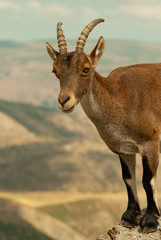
(149,223)
(127,224)
(130,218)
(147,230)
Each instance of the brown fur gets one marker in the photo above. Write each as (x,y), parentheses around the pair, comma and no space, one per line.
(130,102)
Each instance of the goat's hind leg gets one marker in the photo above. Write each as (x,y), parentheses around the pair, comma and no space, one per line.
(131,216)
(150,159)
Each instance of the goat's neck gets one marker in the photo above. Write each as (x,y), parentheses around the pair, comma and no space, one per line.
(96,101)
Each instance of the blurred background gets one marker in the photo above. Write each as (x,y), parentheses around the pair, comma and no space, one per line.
(57,178)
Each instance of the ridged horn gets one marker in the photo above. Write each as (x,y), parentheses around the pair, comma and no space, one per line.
(61,39)
(85,33)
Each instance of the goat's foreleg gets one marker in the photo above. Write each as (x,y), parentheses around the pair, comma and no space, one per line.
(150,159)
(132,214)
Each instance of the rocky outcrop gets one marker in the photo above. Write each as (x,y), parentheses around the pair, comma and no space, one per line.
(119,232)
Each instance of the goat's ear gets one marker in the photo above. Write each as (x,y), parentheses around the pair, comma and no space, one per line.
(97,51)
(52,53)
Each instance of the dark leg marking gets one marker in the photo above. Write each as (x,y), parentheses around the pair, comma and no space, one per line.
(149,221)
(129,218)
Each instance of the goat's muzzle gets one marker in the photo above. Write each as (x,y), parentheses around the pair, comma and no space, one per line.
(66,102)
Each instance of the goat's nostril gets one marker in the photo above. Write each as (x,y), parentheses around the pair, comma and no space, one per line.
(63,102)
(59,101)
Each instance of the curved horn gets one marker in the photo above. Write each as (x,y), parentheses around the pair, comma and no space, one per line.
(61,39)
(85,33)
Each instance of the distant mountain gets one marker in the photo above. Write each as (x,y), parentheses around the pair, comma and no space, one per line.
(10,44)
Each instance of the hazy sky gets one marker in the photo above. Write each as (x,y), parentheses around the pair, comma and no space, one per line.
(124,19)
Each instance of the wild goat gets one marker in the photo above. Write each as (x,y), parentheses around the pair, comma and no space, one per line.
(125,107)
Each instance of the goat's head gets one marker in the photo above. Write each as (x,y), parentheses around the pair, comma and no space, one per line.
(74,69)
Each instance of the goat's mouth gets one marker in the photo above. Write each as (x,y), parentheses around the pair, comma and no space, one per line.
(69,110)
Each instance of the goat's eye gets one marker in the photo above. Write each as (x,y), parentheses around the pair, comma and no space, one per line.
(86,70)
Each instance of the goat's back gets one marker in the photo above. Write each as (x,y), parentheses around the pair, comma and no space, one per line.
(137,89)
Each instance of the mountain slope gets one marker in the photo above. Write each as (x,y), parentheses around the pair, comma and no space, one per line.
(13,226)
(56,153)
(21,222)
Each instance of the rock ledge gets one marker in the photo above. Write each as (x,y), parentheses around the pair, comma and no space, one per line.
(121,233)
